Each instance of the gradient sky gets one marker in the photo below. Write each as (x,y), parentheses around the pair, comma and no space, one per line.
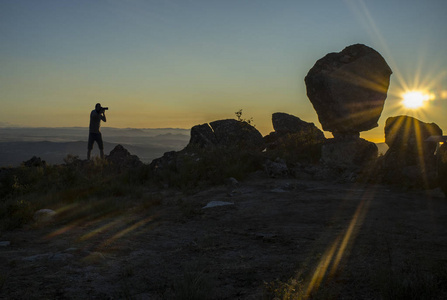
(172,63)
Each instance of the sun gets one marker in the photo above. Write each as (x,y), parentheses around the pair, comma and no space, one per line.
(415,99)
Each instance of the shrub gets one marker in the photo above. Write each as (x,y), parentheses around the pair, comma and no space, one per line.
(195,167)
(295,147)
(88,187)
(16,212)
(194,284)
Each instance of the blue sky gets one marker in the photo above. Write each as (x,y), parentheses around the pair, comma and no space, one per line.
(180,63)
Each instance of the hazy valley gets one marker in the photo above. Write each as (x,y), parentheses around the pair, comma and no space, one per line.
(18,144)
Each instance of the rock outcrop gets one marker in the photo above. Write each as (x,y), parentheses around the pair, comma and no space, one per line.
(228,133)
(350,154)
(407,137)
(442,167)
(284,123)
(216,151)
(203,136)
(410,159)
(348,89)
(294,139)
(121,158)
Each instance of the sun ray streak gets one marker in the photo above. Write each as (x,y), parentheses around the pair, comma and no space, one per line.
(338,249)
(322,267)
(356,221)
(99,230)
(126,231)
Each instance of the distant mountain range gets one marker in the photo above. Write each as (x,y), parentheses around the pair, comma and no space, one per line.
(18,144)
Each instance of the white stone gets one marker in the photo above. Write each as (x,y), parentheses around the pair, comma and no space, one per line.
(217,203)
(44,215)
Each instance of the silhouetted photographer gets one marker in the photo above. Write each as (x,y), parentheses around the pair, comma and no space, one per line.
(96,116)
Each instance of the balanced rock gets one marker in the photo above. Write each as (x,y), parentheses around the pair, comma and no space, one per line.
(228,133)
(348,89)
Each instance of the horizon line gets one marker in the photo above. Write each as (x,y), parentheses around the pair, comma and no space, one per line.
(84,127)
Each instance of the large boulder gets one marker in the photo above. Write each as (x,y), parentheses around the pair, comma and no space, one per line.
(294,139)
(352,155)
(407,136)
(284,123)
(228,133)
(202,136)
(442,168)
(348,89)
(410,159)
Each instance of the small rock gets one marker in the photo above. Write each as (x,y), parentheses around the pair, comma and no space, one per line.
(61,256)
(276,169)
(37,257)
(94,258)
(72,249)
(35,162)
(122,158)
(232,182)
(5,243)
(278,190)
(217,203)
(44,215)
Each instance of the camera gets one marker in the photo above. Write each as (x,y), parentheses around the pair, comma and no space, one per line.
(104,108)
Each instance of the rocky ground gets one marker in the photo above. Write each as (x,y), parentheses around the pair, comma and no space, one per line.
(272,238)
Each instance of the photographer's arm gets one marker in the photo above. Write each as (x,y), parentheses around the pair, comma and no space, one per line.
(103,116)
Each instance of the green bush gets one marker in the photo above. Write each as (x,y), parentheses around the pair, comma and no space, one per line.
(16,212)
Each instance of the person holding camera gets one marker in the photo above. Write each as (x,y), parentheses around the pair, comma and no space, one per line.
(96,116)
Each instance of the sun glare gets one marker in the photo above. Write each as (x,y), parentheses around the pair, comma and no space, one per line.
(415,99)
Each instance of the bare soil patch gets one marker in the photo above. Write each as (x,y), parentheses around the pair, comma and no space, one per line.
(331,240)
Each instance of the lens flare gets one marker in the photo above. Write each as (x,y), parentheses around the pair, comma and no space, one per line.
(415,99)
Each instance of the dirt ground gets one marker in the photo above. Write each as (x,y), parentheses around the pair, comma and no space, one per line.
(329,240)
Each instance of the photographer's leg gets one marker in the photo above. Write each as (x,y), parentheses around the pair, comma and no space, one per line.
(100,145)
(89,145)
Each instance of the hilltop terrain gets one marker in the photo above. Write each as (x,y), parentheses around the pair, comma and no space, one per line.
(260,238)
